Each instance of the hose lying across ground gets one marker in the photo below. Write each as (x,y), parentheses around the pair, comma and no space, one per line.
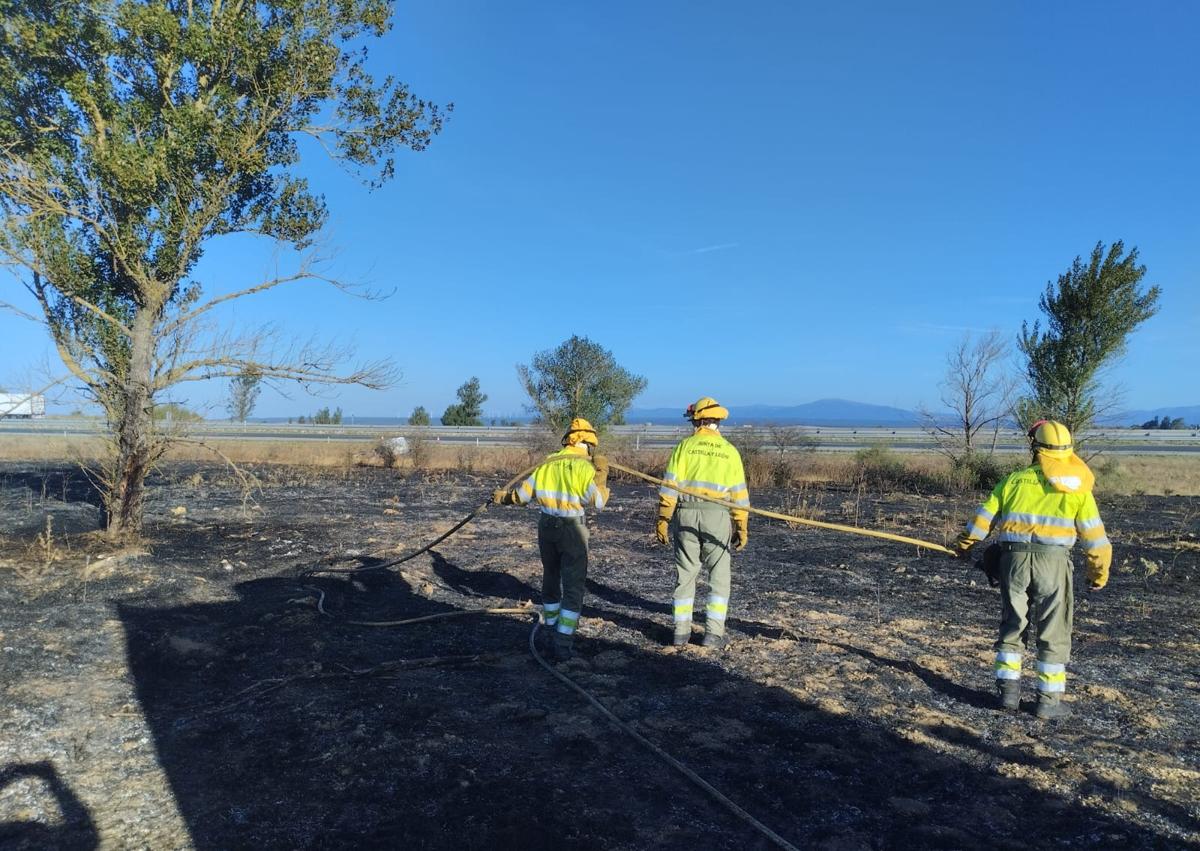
(787,518)
(567,681)
(410,556)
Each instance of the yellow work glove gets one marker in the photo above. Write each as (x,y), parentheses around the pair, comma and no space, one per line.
(1097,570)
(962,546)
(741,533)
(601,465)
(502,497)
(660,529)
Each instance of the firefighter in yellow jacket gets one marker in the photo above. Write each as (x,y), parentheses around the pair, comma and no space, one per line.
(562,486)
(1038,513)
(709,464)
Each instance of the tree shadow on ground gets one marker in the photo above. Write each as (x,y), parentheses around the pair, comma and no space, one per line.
(75,830)
(482,583)
(273,735)
(64,491)
(63,484)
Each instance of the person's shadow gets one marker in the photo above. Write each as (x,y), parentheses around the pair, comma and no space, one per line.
(75,830)
(279,727)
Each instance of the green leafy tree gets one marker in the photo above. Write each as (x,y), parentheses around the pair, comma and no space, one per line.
(579,378)
(243,395)
(324,416)
(171,412)
(1089,313)
(419,416)
(134,133)
(468,411)
(1165,422)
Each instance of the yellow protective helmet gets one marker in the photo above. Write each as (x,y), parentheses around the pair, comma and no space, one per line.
(705,408)
(580,431)
(1052,438)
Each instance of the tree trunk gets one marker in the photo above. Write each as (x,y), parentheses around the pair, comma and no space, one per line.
(133,430)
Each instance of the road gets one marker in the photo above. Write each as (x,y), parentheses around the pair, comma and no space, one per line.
(794,438)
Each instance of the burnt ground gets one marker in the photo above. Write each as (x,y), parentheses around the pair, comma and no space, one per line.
(190,695)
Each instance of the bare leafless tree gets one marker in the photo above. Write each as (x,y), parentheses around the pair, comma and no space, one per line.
(977,395)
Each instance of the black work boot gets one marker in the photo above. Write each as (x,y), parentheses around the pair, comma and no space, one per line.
(715,641)
(560,649)
(680,639)
(1052,709)
(1010,694)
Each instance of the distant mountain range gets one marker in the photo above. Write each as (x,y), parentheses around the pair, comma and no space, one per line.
(844,412)
(823,412)
(1190,414)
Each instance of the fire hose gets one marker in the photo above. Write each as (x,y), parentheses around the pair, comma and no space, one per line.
(787,518)
(691,775)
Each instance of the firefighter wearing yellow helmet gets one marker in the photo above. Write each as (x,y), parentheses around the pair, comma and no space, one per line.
(708,464)
(569,480)
(1039,513)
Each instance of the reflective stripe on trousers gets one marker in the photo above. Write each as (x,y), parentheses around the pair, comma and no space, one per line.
(567,622)
(716,609)
(1052,677)
(1008,665)
(683,614)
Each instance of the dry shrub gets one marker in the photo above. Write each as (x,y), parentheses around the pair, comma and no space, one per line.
(385,452)
(1110,476)
(880,470)
(43,552)
(420,449)
(468,459)
(980,472)
(538,442)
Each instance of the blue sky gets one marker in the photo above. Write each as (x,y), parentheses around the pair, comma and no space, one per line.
(765,202)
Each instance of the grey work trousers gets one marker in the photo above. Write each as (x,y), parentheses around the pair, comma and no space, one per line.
(702,532)
(1037,579)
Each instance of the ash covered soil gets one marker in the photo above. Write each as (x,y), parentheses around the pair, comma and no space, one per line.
(190,694)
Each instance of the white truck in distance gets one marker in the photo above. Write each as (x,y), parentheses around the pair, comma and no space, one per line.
(26,406)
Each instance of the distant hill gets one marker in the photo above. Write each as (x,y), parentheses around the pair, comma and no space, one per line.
(1190,414)
(823,412)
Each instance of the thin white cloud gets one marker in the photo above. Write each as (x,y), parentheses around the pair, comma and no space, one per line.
(708,249)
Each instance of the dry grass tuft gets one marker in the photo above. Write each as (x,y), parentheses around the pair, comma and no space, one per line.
(875,469)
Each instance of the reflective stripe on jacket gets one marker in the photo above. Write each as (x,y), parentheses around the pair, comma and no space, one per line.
(709,464)
(1026,508)
(563,485)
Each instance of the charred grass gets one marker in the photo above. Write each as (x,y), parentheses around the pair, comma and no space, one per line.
(190,694)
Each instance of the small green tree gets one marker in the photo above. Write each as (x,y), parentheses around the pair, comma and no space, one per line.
(1090,313)
(324,416)
(419,416)
(243,394)
(468,411)
(579,378)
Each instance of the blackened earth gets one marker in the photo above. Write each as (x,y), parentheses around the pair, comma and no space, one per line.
(190,695)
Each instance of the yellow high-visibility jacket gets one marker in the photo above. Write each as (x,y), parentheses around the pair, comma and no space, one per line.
(1027,508)
(564,484)
(709,464)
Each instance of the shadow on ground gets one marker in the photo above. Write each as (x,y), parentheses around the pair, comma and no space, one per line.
(74,831)
(272,736)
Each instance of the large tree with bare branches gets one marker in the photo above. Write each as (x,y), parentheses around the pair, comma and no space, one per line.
(135,132)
